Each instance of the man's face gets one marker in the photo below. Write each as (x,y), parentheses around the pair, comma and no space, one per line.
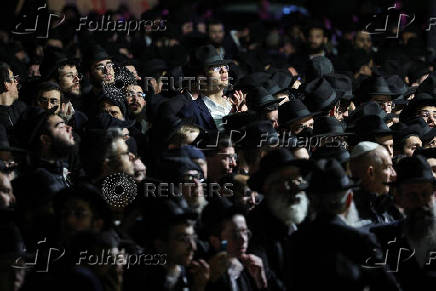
(216,33)
(62,134)
(274,117)
(49,99)
(218,77)
(203,166)
(135,99)
(6,195)
(122,158)
(430,144)
(103,71)
(76,215)
(428,113)
(384,101)
(69,80)
(283,197)
(410,145)
(113,110)
(363,41)
(12,86)
(236,233)
(224,161)
(192,189)
(383,172)
(181,244)
(316,39)
(388,142)
(416,196)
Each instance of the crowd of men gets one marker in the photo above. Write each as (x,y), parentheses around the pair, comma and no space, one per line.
(205,157)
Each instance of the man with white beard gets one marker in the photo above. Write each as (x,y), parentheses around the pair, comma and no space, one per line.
(410,244)
(327,253)
(280,179)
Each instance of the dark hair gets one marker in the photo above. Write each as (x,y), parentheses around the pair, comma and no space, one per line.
(4,76)
(48,86)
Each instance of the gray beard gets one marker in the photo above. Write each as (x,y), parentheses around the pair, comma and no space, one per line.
(288,213)
(420,226)
(352,218)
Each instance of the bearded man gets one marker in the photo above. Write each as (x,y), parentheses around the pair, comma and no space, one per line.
(410,244)
(281,180)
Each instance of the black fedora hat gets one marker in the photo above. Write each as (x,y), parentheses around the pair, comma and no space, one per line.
(329,177)
(371,126)
(283,79)
(53,59)
(259,98)
(237,120)
(413,169)
(153,66)
(271,87)
(209,56)
(94,54)
(328,126)
(342,84)
(253,80)
(292,111)
(331,152)
(275,160)
(364,109)
(319,95)
(104,121)
(379,85)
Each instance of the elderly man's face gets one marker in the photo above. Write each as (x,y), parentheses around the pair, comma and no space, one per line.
(284,198)
(69,80)
(383,172)
(415,196)
(103,71)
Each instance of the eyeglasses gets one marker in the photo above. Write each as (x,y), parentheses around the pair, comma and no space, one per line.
(189,178)
(187,239)
(131,94)
(52,101)
(426,114)
(102,67)
(72,77)
(218,69)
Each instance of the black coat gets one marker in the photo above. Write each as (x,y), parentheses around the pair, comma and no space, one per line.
(9,115)
(400,259)
(329,255)
(377,209)
(269,241)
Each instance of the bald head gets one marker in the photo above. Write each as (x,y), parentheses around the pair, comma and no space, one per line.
(373,169)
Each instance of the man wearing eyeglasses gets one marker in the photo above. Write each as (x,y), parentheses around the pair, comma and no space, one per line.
(10,107)
(48,96)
